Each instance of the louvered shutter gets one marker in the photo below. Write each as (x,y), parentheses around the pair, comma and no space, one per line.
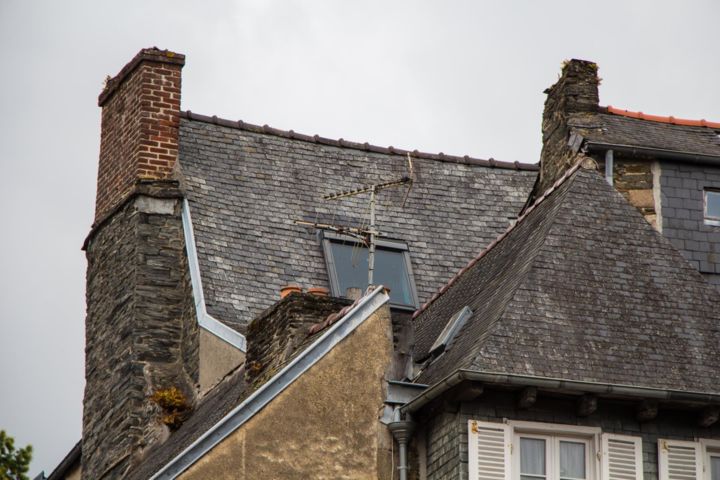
(679,460)
(621,457)
(489,450)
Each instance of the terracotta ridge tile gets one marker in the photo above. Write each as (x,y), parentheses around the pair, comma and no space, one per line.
(492,244)
(657,118)
(342,143)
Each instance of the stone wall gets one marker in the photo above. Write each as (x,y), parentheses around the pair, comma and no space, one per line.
(447,435)
(575,92)
(682,210)
(141,331)
(325,425)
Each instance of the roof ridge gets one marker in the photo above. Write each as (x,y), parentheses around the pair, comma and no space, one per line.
(660,119)
(568,173)
(342,143)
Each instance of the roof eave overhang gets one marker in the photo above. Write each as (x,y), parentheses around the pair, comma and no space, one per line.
(606,390)
(665,154)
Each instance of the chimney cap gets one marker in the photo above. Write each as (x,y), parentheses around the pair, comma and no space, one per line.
(152,54)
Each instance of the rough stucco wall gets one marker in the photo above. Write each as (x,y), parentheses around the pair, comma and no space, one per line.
(448,436)
(217,359)
(323,426)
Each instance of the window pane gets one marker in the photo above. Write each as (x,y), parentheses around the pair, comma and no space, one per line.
(712,204)
(532,456)
(572,460)
(351,266)
(714,468)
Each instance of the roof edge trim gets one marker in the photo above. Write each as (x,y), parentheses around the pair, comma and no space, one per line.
(273,387)
(460,375)
(367,147)
(656,152)
(568,173)
(661,119)
(205,320)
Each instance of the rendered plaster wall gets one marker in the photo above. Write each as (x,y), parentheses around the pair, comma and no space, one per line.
(682,186)
(447,435)
(141,333)
(217,359)
(323,426)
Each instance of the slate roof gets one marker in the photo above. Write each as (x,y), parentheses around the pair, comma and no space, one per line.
(246,186)
(617,129)
(582,288)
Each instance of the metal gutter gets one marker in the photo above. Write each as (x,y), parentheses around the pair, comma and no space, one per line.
(205,320)
(273,387)
(608,389)
(655,152)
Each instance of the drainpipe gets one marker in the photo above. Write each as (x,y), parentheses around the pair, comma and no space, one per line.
(402,432)
(609,166)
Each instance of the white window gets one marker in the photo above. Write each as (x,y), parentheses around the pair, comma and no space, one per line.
(541,451)
(712,206)
(687,460)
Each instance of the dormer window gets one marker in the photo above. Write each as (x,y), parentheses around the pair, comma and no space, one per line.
(347,264)
(712,206)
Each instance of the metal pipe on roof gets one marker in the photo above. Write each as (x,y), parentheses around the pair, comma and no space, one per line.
(655,152)
(555,384)
(609,166)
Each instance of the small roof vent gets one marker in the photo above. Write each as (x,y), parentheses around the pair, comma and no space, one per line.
(453,326)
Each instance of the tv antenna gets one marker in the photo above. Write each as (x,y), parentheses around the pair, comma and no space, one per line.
(368,235)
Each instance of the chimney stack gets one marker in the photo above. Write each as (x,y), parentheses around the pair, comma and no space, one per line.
(141,333)
(575,93)
(140,120)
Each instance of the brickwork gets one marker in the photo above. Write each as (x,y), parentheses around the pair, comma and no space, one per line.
(682,202)
(140,119)
(634,179)
(141,332)
(448,432)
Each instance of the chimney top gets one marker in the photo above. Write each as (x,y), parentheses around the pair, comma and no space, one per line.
(152,54)
(577,89)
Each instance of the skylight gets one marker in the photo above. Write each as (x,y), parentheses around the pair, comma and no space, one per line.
(451,329)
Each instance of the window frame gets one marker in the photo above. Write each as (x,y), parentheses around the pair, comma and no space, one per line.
(709,448)
(327,238)
(708,219)
(553,434)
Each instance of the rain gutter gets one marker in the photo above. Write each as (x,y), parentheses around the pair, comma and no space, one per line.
(654,152)
(606,389)
(273,387)
(205,320)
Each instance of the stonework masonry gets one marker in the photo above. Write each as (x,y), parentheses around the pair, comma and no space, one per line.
(141,331)
(140,119)
(447,432)
(576,92)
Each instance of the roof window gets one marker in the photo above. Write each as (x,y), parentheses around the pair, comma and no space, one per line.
(452,327)
(347,264)
(712,207)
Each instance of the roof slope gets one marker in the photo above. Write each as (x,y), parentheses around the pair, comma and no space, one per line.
(584,289)
(622,130)
(246,186)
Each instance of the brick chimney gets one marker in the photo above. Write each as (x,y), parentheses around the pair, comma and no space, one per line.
(575,93)
(140,119)
(141,331)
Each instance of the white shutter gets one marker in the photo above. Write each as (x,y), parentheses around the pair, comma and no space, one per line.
(679,460)
(489,448)
(621,457)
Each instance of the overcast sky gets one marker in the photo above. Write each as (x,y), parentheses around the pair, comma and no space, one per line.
(451,76)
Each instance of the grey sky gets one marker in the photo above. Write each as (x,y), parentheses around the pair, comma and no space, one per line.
(457,77)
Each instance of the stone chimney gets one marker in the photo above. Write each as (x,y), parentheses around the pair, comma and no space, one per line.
(141,364)
(575,93)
